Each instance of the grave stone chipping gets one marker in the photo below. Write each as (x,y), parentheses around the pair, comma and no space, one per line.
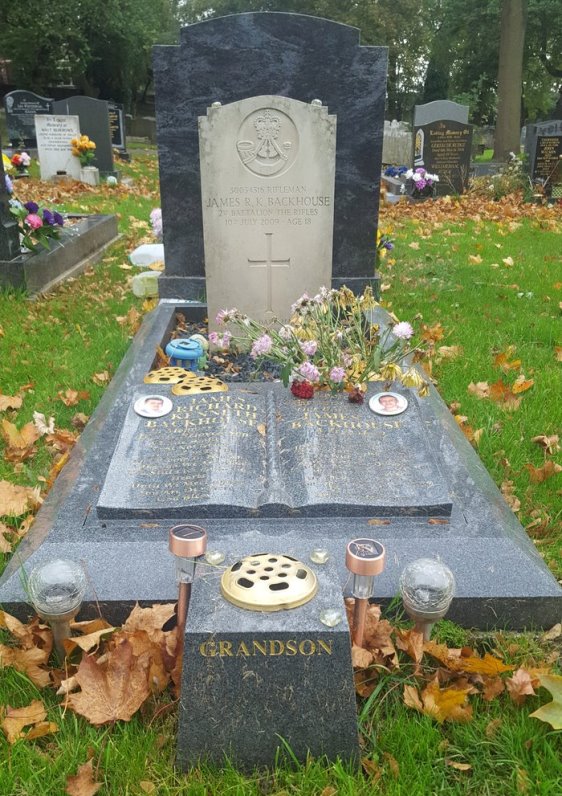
(9,233)
(94,122)
(54,134)
(21,108)
(267,191)
(251,55)
(443,144)
(264,472)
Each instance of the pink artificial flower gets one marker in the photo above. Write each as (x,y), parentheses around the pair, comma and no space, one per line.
(25,159)
(33,221)
(261,346)
(337,375)
(309,371)
(403,330)
(214,338)
(309,347)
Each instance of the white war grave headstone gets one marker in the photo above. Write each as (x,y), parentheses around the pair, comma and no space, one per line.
(267,192)
(54,134)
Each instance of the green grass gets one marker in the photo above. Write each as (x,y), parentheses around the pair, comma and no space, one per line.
(485,156)
(61,340)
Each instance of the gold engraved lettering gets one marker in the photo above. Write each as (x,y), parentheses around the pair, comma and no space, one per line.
(242,650)
(260,646)
(324,645)
(225,649)
(208,649)
(305,645)
(276,647)
(291,647)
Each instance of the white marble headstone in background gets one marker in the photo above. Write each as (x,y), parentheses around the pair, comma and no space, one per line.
(267,192)
(54,134)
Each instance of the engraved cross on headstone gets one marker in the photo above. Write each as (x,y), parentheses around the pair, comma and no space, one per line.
(9,232)
(269,263)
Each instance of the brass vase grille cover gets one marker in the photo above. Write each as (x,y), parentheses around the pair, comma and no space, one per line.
(268,582)
(186,382)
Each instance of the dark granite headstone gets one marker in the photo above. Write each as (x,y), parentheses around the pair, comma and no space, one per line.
(9,232)
(253,681)
(282,451)
(549,128)
(117,124)
(94,122)
(444,148)
(292,55)
(440,109)
(548,160)
(21,108)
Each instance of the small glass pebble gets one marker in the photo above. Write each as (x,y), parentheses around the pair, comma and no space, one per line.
(319,555)
(330,617)
(214,557)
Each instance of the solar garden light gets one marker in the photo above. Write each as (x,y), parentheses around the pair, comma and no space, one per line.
(365,559)
(187,543)
(427,587)
(56,590)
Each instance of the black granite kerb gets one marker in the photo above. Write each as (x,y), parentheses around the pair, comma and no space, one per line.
(293,55)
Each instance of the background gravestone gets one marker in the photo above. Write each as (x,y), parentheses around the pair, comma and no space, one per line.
(9,233)
(438,110)
(117,127)
(54,134)
(548,129)
(21,109)
(267,189)
(255,54)
(547,165)
(444,148)
(94,122)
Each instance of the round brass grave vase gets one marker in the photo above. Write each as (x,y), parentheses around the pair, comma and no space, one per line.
(268,582)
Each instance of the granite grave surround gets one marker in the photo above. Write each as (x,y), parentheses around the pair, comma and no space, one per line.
(247,55)
(67,256)
(501,579)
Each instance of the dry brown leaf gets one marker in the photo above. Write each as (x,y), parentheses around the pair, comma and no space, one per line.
(507,489)
(41,729)
(471,664)
(492,727)
(520,686)
(146,786)
(33,634)
(261,429)
(540,474)
(432,334)
(151,620)
(101,378)
(87,642)
(553,633)
(414,245)
(62,440)
(19,438)
(365,682)
(82,783)
(41,424)
(481,389)
(558,353)
(15,719)
(72,397)
(5,544)
(493,687)
(446,704)
(449,351)
(27,661)
(502,360)
(152,654)
(548,443)
(376,521)
(111,694)
(475,258)
(412,698)
(521,384)
(10,402)
(411,642)
(458,766)
(393,764)
(360,658)
(371,769)
(79,420)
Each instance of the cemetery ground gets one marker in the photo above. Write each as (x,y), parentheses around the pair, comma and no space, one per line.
(483,281)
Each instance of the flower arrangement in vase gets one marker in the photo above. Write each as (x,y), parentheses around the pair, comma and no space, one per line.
(420,182)
(329,343)
(84,150)
(37,226)
(21,161)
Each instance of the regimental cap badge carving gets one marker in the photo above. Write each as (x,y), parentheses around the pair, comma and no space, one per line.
(267,142)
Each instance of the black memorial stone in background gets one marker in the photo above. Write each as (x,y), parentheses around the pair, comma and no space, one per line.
(547,163)
(21,108)
(9,232)
(117,127)
(548,129)
(244,55)
(444,148)
(94,122)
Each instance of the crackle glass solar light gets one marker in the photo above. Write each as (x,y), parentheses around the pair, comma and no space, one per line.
(364,558)
(427,587)
(187,543)
(56,590)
